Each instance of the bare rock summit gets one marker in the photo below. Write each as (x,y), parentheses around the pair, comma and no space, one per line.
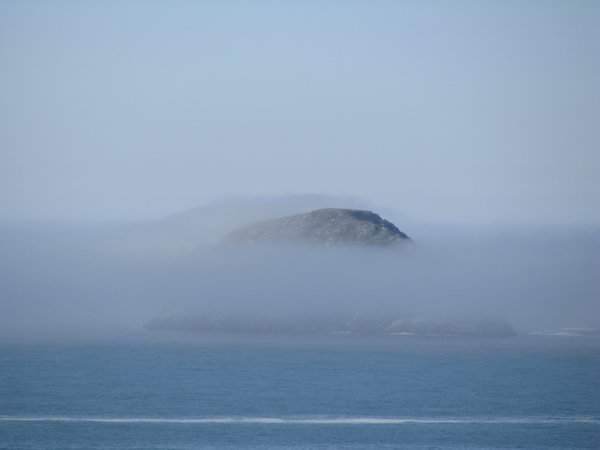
(326,227)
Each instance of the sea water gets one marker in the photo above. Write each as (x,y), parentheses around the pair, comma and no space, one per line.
(187,391)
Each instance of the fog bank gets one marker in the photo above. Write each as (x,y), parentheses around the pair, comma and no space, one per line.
(70,280)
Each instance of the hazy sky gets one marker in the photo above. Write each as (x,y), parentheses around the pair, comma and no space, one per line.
(449,111)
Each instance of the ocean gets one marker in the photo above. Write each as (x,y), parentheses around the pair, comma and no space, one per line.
(162,390)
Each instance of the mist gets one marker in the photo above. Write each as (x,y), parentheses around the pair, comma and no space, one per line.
(460,113)
(77,280)
(311,224)
(129,129)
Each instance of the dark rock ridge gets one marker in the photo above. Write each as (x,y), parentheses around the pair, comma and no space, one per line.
(329,226)
(334,324)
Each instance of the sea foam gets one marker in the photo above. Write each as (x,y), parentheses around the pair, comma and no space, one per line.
(316,420)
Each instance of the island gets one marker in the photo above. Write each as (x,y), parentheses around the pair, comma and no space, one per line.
(329,227)
(334,325)
(322,227)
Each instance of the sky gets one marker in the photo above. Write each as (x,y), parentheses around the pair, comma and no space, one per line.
(463,111)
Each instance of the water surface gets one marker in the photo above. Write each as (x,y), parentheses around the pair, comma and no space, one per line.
(184,391)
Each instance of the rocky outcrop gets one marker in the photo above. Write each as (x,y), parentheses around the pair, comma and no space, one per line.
(326,227)
(333,324)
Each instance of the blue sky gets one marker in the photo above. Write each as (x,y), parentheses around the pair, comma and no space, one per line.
(449,111)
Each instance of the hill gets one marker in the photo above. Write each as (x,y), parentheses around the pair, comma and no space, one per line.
(328,226)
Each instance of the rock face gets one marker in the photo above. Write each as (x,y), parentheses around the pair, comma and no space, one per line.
(327,227)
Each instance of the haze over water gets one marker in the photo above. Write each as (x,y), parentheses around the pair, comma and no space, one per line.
(134,136)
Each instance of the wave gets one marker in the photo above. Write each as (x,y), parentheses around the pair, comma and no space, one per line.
(317,420)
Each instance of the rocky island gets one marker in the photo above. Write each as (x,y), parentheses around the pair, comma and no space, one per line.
(323,227)
(331,308)
(338,324)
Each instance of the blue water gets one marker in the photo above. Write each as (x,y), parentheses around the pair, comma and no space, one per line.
(167,391)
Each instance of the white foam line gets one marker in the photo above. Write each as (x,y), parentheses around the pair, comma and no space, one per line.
(309,420)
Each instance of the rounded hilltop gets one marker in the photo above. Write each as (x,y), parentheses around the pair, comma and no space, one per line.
(329,226)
